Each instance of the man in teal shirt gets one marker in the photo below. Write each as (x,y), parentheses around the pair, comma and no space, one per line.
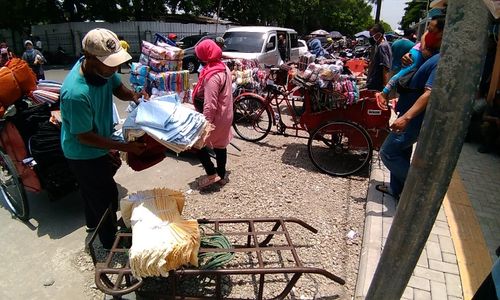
(87,124)
(400,48)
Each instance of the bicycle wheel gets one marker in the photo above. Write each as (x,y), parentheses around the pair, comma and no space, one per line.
(12,189)
(252,119)
(340,148)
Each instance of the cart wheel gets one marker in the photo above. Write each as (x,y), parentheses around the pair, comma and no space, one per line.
(12,189)
(252,119)
(340,148)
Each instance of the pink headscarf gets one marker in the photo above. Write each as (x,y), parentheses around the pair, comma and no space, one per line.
(208,51)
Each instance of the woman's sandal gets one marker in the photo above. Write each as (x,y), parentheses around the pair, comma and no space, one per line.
(207,181)
(384,189)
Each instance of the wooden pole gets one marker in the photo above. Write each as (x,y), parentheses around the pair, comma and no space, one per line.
(495,77)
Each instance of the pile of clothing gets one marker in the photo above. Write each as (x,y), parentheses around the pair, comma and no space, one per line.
(330,76)
(246,74)
(164,122)
(47,91)
(161,239)
(160,67)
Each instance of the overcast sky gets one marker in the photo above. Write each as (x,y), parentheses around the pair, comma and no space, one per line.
(392,11)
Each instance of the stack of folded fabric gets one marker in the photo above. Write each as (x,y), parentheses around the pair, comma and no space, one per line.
(172,124)
(160,67)
(47,91)
(161,239)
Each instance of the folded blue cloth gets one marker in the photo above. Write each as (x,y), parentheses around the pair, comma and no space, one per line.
(155,113)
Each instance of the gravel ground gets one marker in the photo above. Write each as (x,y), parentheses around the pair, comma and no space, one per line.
(275,178)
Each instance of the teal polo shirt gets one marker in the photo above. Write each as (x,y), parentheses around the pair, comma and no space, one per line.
(85,108)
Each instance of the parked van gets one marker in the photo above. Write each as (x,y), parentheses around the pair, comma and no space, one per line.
(261,43)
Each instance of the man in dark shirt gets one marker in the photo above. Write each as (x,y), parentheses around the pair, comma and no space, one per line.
(380,63)
(282,47)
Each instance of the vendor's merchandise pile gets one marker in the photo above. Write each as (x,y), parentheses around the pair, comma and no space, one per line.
(169,122)
(47,91)
(246,74)
(161,239)
(160,67)
(329,75)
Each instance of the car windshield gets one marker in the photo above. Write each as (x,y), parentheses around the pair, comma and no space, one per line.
(247,42)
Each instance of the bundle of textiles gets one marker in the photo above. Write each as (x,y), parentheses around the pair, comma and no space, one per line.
(47,91)
(305,60)
(162,51)
(176,81)
(49,85)
(329,76)
(160,65)
(161,239)
(138,74)
(245,73)
(172,124)
(347,86)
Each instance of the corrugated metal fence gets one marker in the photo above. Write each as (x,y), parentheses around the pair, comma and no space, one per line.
(68,36)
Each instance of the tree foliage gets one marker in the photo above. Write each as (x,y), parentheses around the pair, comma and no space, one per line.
(413,13)
(346,16)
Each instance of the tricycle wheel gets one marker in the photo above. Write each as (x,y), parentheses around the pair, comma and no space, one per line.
(340,148)
(12,189)
(252,119)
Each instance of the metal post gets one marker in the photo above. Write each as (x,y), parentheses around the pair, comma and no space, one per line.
(441,139)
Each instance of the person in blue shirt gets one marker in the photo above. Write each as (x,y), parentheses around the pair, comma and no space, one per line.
(397,148)
(87,124)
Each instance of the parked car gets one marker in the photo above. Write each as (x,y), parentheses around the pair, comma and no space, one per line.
(190,41)
(190,62)
(260,43)
(302,47)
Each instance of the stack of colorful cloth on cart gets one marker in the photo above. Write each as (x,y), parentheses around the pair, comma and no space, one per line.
(164,122)
(160,67)
(47,91)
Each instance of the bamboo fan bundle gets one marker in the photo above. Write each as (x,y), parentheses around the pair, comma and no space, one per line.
(161,239)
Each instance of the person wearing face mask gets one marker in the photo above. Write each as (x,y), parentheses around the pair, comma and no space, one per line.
(380,62)
(397,148)
(87,124)
(35,59)
(5,54)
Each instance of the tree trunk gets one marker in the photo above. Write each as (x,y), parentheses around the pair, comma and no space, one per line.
(377,14)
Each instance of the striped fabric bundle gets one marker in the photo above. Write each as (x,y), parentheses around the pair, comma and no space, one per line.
(49,85)
(41,96)
(176,81)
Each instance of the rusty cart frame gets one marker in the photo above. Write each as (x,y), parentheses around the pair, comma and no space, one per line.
(123,281)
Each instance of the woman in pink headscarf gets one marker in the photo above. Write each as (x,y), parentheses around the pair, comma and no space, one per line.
(214,88)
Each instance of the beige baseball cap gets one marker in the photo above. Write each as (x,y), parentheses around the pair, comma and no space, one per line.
(104,44)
